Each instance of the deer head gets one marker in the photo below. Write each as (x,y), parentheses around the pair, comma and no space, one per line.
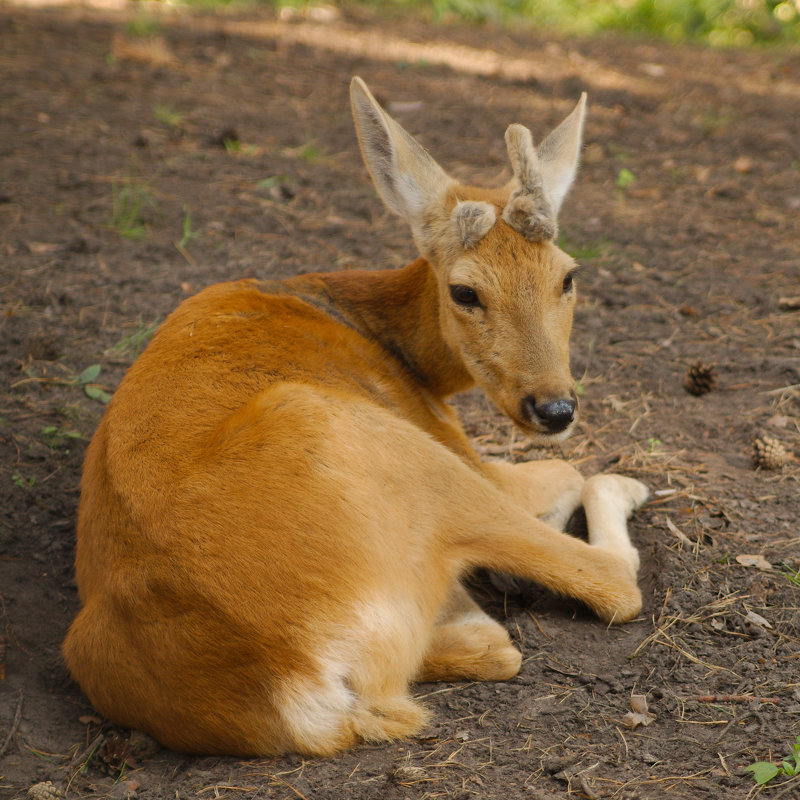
(505,290)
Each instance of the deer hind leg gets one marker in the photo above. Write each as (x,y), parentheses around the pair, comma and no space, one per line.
(323,717)
(467,644)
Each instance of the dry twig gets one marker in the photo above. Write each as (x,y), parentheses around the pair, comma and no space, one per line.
(14,725)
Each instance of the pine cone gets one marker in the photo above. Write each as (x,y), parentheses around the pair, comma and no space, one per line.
(700,378)
(769,453)
(43,791)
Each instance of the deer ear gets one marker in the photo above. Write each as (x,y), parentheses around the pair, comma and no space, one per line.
(559,154)
(407,178)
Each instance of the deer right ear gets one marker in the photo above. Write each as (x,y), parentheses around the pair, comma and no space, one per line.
(407,178)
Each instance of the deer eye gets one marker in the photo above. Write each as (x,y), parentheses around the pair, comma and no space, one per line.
(464,295)
(569,282)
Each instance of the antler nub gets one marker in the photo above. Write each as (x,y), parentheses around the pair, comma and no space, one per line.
(527,210)
(473,220)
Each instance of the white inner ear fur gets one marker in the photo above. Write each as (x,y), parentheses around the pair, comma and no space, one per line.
(407,178)
(473,220)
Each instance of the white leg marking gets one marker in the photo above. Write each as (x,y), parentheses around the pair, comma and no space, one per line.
(609,500)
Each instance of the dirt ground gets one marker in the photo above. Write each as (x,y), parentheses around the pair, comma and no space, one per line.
(144,158)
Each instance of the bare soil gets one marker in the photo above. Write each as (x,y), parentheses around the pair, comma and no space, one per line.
(141,162)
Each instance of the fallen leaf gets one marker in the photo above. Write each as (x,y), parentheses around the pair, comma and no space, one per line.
(152,50)
(639,715)
(680,535)
(702,174)
(639,703)
(778,421)
(653,70)
(409,774)
(758,561)
(39,248)
(757,619)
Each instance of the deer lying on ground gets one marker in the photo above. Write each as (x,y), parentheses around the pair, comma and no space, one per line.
(278,505)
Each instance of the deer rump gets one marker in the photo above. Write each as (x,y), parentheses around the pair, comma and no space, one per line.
(278,504)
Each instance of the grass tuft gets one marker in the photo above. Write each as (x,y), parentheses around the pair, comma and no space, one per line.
(130,197)
(720,23)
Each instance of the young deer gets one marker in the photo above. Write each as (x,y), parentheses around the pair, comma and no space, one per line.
(278,505)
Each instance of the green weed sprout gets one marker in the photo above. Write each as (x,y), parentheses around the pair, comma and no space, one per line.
(765,771)
(86,380)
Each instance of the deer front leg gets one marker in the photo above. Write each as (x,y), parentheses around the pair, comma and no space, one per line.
(550,490)
(609,500)
(508,541)
(601,572)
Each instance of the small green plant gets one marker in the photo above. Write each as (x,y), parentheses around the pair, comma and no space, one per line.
(792,575)
(143,26)
(625,178)
(310,153)
(86,380)
(133,343)
(168,116)
(273,182)
(765,771)
(24,483)
(236,147)
(654,445)
(574,242)
(56,437)
(130,197)
(188,232)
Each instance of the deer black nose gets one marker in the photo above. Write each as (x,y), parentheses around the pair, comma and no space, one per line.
(555,415)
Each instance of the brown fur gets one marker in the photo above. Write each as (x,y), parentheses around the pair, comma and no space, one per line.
(278,505)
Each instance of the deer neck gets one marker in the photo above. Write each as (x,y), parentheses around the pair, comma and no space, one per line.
(399,308)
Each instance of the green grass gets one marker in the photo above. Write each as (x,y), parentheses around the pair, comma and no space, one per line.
(580,249)
(721,23)
(793,576)
(188,235)
(23,483)
(58,437)
(130,198)
(168,116)
(143,26)
(132,344)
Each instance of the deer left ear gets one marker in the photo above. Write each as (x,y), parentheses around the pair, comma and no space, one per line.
(406,176)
